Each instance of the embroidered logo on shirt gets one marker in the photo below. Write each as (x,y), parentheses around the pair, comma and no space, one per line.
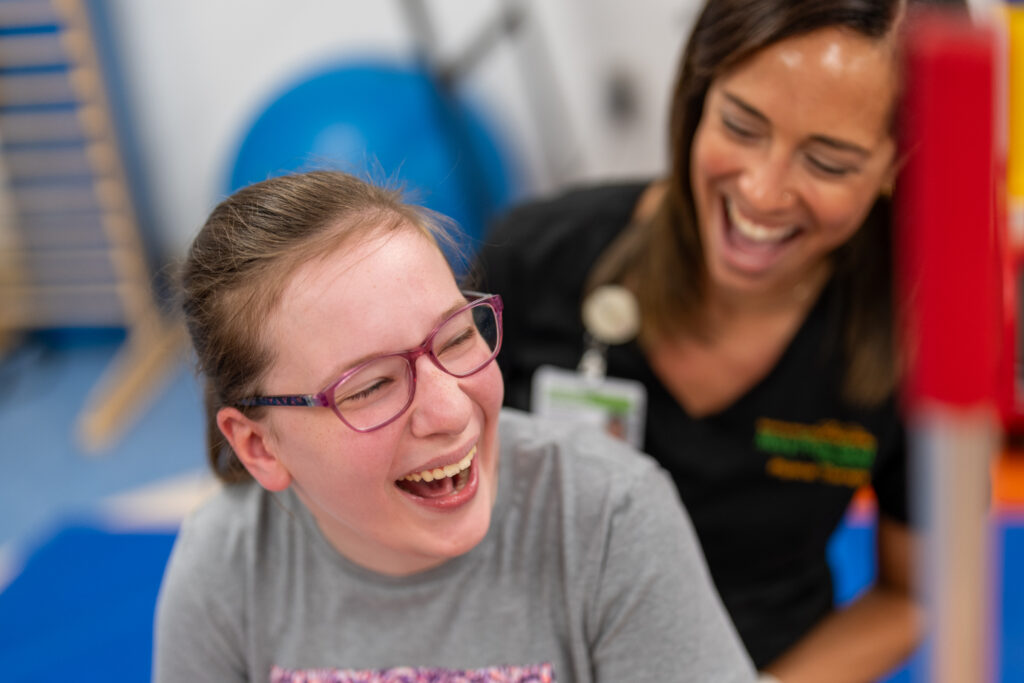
(540,673)
(829,451)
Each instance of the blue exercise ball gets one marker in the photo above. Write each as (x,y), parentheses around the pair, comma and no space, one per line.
(384,122)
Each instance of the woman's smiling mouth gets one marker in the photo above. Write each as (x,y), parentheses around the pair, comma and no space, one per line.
(751,247)
(756,232)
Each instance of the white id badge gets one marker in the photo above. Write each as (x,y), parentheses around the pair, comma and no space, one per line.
(611,403)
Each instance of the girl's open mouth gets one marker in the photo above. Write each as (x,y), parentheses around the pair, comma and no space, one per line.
(442,482)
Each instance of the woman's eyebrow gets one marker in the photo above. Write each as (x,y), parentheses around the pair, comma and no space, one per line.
(750,109)
(841,145)
(835,143)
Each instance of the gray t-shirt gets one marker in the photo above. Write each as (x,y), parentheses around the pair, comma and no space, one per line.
(590,571)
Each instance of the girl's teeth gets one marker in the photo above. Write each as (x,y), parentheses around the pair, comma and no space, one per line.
(442,472)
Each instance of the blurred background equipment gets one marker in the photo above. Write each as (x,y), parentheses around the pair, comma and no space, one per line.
(148,112)
(1011,386)
(72,252)
(947,224)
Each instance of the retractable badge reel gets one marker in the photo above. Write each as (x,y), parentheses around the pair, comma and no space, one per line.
(611,316)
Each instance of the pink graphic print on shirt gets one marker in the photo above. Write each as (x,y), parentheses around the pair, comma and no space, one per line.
(540,673)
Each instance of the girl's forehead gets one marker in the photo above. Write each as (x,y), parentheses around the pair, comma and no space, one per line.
(373,262)
(378,295)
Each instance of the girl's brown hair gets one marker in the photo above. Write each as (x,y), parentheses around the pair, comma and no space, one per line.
(240,262)
(661,258)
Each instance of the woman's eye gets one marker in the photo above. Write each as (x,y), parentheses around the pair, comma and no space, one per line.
(738,130)
(829,168)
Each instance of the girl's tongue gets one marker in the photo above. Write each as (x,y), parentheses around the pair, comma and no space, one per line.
(439,482)
(433,489)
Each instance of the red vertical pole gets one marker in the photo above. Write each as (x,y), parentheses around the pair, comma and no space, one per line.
(948,279)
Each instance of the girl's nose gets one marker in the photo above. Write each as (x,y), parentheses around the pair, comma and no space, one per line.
(440,405)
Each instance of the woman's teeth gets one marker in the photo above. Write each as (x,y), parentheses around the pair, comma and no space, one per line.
(755,231)
(442,472)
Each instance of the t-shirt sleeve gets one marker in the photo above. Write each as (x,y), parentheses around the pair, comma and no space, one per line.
(890,479)
(198,629)
(657,616)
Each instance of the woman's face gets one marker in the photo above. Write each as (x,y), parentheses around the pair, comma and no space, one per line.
(791,151)
(383,295)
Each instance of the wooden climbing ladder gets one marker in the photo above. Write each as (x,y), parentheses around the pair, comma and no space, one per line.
(70,249)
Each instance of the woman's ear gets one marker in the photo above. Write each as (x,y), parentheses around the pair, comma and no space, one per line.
(888,182)
(889,179)
(254,448)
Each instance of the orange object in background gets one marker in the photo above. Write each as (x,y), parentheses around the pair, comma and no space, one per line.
(1008,482)
(1011,208)
(1008,468)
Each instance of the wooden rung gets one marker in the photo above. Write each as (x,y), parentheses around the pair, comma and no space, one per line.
(48,162)
(71,125)
(62,267)
(38,49)
(74,230)
(54,162)
(31,89)
(51,198)
(95,267)
(102,194)
(79,306)
(21,13)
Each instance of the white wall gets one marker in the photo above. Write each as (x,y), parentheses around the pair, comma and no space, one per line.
(199,71)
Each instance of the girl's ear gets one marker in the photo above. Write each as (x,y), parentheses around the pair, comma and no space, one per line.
(254,448)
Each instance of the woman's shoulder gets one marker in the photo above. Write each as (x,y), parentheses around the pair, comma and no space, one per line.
(598,208)
(548,245)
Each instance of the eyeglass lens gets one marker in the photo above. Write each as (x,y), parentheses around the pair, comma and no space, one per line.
(382,388)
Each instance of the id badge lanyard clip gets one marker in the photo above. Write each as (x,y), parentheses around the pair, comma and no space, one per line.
(587,395)
(593,363)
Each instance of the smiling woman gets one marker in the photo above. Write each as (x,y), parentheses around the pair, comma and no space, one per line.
(782,173)
(761,271)
(383,518)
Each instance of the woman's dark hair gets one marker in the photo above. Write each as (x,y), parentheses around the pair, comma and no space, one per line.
(666,249)
(242,259)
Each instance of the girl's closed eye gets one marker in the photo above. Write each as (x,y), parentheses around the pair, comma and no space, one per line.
(365,393)
(457,342)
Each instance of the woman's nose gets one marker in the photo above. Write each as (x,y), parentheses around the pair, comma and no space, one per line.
(440,405)
(765,185)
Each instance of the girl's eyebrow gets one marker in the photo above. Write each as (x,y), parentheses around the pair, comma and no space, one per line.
(835,143)
(339,371)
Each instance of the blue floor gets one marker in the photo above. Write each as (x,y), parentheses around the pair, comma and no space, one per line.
(77,594)
(50,478)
